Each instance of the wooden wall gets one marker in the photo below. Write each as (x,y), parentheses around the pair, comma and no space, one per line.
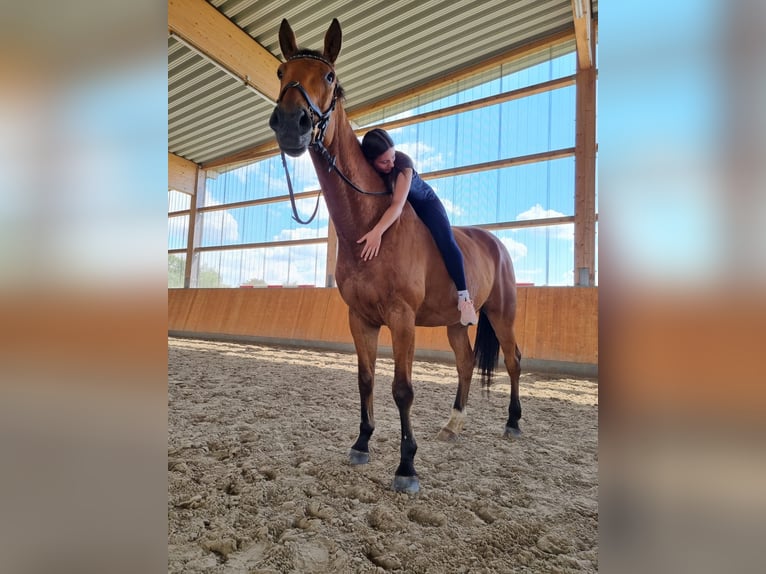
(554,325)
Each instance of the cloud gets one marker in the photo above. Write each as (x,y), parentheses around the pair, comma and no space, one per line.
(220,223)
(451,208)
(306,207)
(297,264)
(426,158)
(515,248)
(564,231)
(537,212)
(300,233)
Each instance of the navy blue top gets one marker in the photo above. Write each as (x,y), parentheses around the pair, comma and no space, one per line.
(419,189)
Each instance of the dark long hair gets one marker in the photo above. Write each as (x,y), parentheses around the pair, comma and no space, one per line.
(375,142)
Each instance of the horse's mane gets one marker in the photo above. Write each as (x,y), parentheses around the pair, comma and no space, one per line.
(339,91)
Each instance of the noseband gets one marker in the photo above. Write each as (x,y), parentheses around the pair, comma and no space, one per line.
(319,122)
(319,119)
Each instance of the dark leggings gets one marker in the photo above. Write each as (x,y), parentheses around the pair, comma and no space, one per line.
(431,211)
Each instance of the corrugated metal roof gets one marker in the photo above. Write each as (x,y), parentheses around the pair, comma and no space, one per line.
(388,48)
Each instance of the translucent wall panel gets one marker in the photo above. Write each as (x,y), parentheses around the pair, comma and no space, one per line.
(178,231)
(524,192)
(541,255)
(178,201)
(260,180)
(295,265)
(262,223)
(535,124)
(506,79)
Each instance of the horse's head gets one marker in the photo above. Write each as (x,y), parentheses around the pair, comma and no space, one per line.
(308,91)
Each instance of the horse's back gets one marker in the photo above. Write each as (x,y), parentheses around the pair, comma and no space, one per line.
(488,267)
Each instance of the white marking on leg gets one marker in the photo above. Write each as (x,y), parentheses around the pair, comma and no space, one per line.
(456,421)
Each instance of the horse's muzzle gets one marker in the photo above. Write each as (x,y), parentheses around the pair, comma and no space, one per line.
(293,129)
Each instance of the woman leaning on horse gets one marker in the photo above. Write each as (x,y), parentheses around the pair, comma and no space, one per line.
(406,185)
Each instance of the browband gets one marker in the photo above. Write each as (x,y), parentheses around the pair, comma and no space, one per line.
(313,57)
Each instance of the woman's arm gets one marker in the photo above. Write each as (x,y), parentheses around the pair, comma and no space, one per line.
(373,238)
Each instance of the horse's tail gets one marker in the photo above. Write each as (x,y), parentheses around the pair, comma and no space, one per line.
(486,350)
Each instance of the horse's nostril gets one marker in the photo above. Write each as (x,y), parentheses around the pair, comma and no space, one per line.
(274,119)
(305,121)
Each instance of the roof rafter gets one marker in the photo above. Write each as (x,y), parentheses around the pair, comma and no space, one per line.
(583,25)
(203,28)
(182,174)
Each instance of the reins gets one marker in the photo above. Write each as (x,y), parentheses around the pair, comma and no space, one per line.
(317,143)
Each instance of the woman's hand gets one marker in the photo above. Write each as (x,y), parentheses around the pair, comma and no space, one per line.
(372,238)
(371,242)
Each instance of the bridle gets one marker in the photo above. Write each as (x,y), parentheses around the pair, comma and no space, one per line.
(319,122)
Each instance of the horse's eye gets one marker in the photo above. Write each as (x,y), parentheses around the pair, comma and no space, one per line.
(330,77)
(280,73)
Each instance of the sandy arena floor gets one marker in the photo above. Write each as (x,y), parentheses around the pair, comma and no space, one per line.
(258,480)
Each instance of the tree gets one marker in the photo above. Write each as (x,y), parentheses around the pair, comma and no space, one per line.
(176,266)
(209,277)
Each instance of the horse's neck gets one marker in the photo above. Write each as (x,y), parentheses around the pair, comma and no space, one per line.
(352,213)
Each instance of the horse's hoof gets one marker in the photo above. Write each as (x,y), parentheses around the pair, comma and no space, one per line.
(447,435)
(408,484)
(356,457)
(512,433)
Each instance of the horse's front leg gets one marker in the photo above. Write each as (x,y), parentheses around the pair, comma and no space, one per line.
(366,342)
(403,342)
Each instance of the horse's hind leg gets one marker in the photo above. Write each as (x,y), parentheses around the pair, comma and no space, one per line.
(461,345)
(366,343)
(513,364)
(503,327)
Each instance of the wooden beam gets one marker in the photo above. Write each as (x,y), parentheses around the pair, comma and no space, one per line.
(522,223)
(585,179)
(203,27)
(193,238)
(583,30)
(182,174)
(262,201)
(265,245)
(260,151)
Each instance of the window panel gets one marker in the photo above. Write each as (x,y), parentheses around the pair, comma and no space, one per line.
(178,201)
(263,223)
(543,255)
(532,191)
(258,267)
(178,231)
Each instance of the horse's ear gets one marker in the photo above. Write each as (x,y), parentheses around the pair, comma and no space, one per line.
(332,41)
(287,40)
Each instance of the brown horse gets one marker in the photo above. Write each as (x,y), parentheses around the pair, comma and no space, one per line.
(407,283)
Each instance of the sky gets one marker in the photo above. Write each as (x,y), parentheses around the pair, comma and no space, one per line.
(541,255)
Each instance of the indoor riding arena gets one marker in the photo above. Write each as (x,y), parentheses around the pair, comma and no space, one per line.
(278,330)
